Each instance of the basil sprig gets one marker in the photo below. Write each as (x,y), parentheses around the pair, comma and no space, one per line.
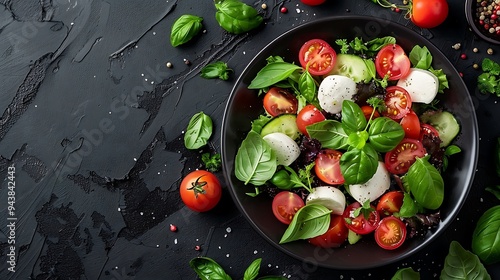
(184,29)
(462,264)
(207,268)
(421,57)
(360,138)
(236,17)
(215,70)
(198,131)
(310,221)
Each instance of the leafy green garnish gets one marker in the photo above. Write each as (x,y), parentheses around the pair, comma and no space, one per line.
(425,184)
(406,274)
(462,264)
(310,221)
(198,131)
(212,163)
(184,29)
(215,70)
(489,80)
(236,17)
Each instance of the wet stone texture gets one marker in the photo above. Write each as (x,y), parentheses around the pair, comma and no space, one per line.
(92,123)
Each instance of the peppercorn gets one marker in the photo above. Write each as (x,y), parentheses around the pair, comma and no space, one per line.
(489,51)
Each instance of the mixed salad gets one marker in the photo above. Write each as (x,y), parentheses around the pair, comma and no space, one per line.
(353,142)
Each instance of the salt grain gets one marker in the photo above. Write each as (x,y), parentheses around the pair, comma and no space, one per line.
(175,241)
(228,230)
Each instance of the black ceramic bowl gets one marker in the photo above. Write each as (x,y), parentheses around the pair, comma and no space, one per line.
(473,20)
(244,106)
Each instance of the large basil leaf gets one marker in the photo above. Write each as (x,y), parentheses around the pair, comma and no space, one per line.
(198,131)
(273,73)
(353,118)
(420,57)
(329,133)
(208,269)
(255,161)
(307,87)
(406,274)
(184,29)
(236,17)
(376,44)
(385,134)
(310,221)
(425,183)
(486,237)
(359,165)
(409,207)
(462,264)
(252,270)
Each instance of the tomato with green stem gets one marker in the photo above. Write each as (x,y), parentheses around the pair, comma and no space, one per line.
(423,13)
(317,56)
(285,205)
(200,190)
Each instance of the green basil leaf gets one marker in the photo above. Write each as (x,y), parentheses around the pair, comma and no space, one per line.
(252,271)
(259,123)
(385,134)
(353,118)
(236,17)
(198,131)
(208,269)
(215,70)
(376,44)
(420,57)
(329,133)
(494,190)
(273,73)
(425,184)
(462,264)
(307,87)
(408,208)
(486,236)
(406,274)
(358,139)
(359,166)
(310,221)
(443,80)
(255,161)
(184,29)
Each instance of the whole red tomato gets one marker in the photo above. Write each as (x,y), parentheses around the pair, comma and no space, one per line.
(428,13)
(313,2)
(200,190)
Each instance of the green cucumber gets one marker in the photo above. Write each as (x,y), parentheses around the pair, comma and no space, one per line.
(353,237)
(445,123)
(354,67)
(286,124)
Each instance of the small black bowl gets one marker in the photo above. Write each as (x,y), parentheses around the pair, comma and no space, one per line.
(245,105)
(473,20)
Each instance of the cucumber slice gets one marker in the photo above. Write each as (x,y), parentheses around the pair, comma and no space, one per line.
(286,124)
(353,237)
(445,123)
(354,67)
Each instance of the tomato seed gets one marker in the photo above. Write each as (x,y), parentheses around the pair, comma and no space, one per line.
(173,228)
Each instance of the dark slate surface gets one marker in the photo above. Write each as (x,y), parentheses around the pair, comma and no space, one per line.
(93,119)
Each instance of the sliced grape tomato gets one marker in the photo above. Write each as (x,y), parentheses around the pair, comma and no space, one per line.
(391,233)
(317,56)
(285,205)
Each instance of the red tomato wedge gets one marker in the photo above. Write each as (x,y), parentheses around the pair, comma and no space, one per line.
(391,233)
(279,101)
(411,125)
(399,160)
(317,56)
(391,60)
(285,205)
(397,101)
(335,236)
(327,167)
(390,203)
(427,130)
(360,224)
(307,116)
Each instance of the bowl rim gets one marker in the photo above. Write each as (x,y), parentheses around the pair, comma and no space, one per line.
(470,20)
(455,209)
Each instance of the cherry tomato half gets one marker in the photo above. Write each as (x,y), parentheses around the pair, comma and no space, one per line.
(411,125)
(313,2)
(335,236)
(200,190)
(367,111)
(429,130)
(307,116)
(279,101)
(327,167)
(285,205)
(317,56)
(429,13)
(397,101)
(360,224)
(399,160)
(391,233)
(390,203)
(392,60)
